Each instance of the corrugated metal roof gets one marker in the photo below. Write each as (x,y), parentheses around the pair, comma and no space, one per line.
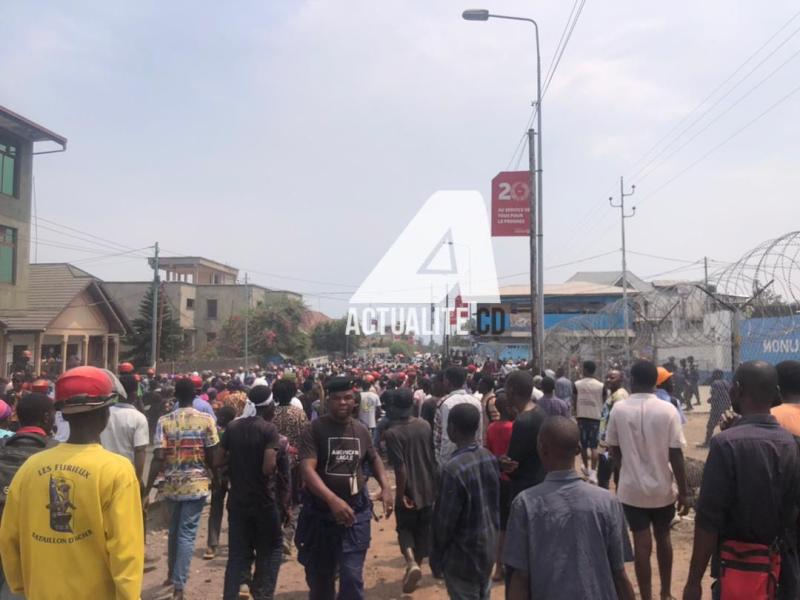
(570,288)
(611,278)
(52,286)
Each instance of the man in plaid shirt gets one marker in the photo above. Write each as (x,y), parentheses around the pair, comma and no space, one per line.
(466,514)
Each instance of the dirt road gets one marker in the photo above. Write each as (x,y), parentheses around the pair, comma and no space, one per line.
(384,568)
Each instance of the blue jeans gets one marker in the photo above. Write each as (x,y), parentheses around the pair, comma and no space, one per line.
(462,589)
(184,519)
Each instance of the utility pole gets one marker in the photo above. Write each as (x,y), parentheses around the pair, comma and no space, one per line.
(623,216)
(154,329)
(705,270)
(535,357)
(246,321)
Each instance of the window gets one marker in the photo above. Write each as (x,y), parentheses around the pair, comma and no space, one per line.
(8,169)
(8,254)
(211,336)
(190,304)
(211,308)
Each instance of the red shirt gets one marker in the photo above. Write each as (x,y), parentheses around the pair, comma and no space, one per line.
(498,437)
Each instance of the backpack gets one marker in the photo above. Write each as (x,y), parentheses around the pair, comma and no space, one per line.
(12,456)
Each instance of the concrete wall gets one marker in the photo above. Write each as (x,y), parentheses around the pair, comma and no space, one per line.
(16,213)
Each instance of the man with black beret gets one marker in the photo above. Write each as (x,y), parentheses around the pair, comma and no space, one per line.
(333,530)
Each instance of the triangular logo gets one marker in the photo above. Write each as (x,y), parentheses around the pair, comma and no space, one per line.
(442,259)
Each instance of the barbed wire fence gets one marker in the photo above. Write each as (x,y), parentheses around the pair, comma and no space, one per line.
(749,309)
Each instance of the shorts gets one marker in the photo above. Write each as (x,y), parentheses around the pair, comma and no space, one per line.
(590,433)
(642,518)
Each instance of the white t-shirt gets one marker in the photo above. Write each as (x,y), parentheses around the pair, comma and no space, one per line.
(127,428)
(445,448)
(366,411)
(645,428)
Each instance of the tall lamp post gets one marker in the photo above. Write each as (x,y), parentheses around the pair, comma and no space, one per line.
(537,234)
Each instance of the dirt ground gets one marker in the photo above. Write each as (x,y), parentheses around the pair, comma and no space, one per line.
(384,568)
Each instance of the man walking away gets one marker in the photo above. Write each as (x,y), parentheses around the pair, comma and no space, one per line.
(561,518)
(410,452)
(748,498)
(368,408)
(466,513)
(219,487)
(127,432)
(185,441)
(249,449)
(522,463)
(333,530)
(564,386)
(72,524)
(551,404)
(720,402)
(588,408)
(644,437)
(788,413)
(455,379)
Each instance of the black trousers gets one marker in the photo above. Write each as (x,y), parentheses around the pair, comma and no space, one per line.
(414,530)
(254,533)
(218,493)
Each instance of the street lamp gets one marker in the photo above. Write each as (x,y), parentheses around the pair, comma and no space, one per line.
(536,233)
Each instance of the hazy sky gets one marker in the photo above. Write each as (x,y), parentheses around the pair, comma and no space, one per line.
(296,139)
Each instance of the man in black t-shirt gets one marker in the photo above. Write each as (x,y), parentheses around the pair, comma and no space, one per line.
(410,450)
(333,530)
(249,448)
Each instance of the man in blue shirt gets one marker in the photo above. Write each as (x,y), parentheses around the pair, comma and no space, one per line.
(466,514)
(561,518)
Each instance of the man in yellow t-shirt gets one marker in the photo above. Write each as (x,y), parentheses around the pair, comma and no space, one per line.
(72,524)
(788,413)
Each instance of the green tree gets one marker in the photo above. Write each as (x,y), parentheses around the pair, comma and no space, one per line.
(272,329)
(170,336)
(401,347)
(330,337)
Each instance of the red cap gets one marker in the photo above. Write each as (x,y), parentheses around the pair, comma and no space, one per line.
(83,381)
(41,386)
(197,381)
(471,368)
(125,367)
(151,372)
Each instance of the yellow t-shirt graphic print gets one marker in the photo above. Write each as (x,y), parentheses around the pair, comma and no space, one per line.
(72,526)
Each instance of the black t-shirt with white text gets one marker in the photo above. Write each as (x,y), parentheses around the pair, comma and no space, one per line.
(340,450)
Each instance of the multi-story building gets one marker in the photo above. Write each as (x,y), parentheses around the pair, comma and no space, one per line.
(50,314)
(202,294)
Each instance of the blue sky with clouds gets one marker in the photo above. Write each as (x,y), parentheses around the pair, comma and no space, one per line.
(296,139)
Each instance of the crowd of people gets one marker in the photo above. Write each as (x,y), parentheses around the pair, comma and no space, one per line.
(484,459)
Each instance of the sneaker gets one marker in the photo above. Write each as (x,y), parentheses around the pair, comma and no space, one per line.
(244,592)
(593,476)
(210,553)
(585,472)
(411,579)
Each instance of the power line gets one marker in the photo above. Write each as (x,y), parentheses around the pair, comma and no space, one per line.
(717,88)
(644,172)
(721,144)
(558,53)
(91,235)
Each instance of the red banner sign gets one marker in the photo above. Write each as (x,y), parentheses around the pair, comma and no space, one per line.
(511,204)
